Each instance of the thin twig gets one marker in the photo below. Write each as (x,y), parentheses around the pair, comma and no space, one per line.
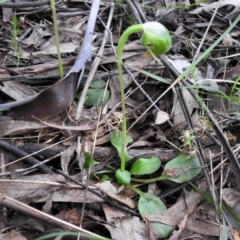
(39,215)
(25,4)
(20,153)
(93,68)
(134,11)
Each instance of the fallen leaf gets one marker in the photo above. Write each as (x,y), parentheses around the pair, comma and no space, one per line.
(74,128)
(112,213)
(18,127)
(24,186)
(161,117)
(177,233)
(50,102)
(128,228)
(13,235)
(16,90)
(108,189)
(197,226)
(211,6)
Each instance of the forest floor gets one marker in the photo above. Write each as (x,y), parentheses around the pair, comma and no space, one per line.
(61,133)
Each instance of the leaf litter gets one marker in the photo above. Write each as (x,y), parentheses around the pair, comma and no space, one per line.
(175,124)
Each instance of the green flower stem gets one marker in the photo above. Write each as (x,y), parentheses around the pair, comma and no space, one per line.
(122,41)
(60,67)
(139,192)
(162,177)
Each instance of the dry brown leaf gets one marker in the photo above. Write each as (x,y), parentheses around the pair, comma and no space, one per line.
(161,117)
(108,189)
(16,90)
(72,215)
(236,235)
(13,235)
(67,155)
(180,63)
(197,226)
(22,188)
(18,127)
(128,228)
(73,128)
(211,6)
(177,233)
(7,14)
(191,199)
(112,213)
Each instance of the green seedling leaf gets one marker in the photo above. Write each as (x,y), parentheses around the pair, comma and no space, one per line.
(123,177)
(150,204)
(232,216)
(182,168)
(96,97)
(205,195)
(89,161)
(98,84)
(105,177)
(145,166)
(156,77)
(116,141)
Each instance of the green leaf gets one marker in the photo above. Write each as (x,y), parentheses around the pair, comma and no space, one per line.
(205,195)
(89,161)
(123,176)
(105,177)
(116,140)
(98,84)
(96,97)
(2,1)
(145,166)
(182,168)
(150,204)
(232,216)
(156,77)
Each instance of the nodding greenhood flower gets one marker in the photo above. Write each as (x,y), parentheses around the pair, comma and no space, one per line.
(156,37)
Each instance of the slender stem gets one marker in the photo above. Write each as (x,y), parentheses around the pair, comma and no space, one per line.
(139,192)
(60,67)
(122,41)
(162,177)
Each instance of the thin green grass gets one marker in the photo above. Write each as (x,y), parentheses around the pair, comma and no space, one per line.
(54,15)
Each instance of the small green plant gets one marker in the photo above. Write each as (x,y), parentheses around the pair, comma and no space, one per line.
(180,169)
(188,141)
(157,40)
(15,41)
(60,66)
(96,94)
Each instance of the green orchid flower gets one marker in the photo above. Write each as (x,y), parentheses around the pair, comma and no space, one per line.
(156,37)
